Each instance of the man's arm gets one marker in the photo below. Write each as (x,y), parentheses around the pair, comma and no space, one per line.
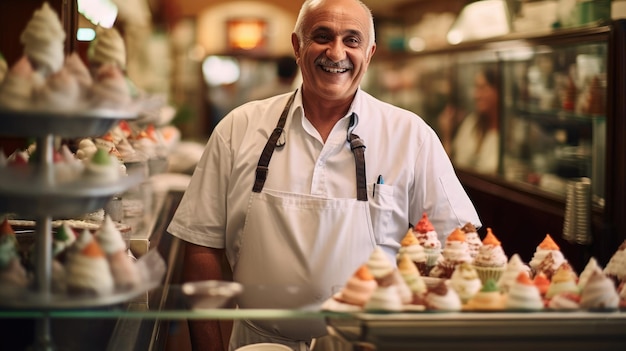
(204,263)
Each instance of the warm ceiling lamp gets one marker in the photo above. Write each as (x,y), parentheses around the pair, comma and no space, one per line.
(246,34)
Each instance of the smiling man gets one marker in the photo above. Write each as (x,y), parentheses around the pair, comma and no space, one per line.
(283,190)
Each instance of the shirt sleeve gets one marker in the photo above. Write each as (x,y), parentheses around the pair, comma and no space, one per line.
(201,215)
(440,193)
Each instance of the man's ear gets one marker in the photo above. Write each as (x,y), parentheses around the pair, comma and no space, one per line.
(295,43)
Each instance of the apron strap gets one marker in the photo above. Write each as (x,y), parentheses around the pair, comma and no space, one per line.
(356,145)
(358,149)
(263,165)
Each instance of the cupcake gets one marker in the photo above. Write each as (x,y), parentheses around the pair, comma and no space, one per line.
(442,298)
(491,261)
(546,247)
(599,293)
(472,239)
(513,268)
(411,247)
(563,281)
(454,253)
(488,298)
(429,239)
(524,295)
(465,281)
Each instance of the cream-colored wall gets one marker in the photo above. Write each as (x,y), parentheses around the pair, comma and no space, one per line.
(211,25)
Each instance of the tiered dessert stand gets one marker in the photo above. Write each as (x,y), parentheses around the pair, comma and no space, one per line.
(34,192)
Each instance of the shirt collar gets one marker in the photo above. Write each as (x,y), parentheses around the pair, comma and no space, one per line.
(355,107)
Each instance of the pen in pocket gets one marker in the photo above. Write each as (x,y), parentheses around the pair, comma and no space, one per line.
(380,180)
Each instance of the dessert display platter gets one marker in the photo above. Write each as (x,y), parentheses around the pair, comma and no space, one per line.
(554,330)
(67,124)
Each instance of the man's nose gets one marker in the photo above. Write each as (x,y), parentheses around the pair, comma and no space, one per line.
(336,51)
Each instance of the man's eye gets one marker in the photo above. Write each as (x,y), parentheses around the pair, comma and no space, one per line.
(322,37)
(352,42)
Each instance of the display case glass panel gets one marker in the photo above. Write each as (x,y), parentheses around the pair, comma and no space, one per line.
(530,114)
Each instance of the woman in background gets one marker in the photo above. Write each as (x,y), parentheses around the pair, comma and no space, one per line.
(476,143)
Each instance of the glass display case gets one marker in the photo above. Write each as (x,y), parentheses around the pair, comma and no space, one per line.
(531,119)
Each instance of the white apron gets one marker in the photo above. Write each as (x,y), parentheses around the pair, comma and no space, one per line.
(296,250)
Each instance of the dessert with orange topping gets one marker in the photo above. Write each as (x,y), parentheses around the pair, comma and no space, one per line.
(491,260)
(547,246)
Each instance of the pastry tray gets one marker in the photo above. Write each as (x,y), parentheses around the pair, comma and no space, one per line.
(29,195)
(151,268)
(70,124)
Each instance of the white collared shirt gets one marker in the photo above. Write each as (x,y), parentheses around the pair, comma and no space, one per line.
(400,147)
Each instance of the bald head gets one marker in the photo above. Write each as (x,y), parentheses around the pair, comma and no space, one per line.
(310,5)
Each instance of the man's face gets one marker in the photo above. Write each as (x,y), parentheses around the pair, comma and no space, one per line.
(333,54)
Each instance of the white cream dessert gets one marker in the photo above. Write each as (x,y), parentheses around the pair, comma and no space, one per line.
(125,272)
(616,267)
(110,89)
(465,281)
(454,253)
(77,68)
(16,90)
(384,298)
(44,39)
(378,263)
(387,296)
(472,239)
(524,295)
(411,247)
(514,267)
(599,293)
(359,288)
(86,149)
(88,272)
(591,267)
(442,298)
(564,301)
(547,246)
(12,273)
(62,239)
(60,91)
(563,281)
(71,166)
(103,167)
(411,275)
(109,48)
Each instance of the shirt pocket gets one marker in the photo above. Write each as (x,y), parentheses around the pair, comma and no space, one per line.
(381,202)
